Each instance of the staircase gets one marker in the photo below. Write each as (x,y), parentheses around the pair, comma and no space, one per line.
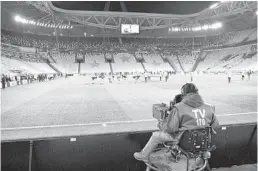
(170,62)
(51,66)
(111,68)
(180,63)
(143,66)
(198,60)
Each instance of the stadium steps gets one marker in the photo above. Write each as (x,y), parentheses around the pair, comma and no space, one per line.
(170,62)
(198,60)
(180,63)
(51,66)
(111,68)
(143,66)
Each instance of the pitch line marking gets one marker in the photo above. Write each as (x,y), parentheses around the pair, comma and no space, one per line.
(108,123)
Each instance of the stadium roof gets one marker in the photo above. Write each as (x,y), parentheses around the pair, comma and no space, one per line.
(159,7)
(235,15)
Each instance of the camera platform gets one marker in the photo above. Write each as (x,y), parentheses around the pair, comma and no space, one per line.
(162,160)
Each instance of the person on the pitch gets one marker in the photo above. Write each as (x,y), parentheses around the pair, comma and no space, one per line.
(146,76)
(243,75)
(166,76)
(229,77)
(190,113)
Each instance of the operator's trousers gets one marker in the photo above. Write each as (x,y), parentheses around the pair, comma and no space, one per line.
(159,137)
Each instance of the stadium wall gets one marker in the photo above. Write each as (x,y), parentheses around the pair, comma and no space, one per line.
(236,145)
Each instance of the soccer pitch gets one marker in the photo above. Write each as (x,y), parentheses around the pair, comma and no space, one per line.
(76,101)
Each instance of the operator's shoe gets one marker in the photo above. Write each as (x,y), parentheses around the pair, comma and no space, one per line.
(141,157)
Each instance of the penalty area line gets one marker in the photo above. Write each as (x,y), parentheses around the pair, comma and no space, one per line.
(110,123)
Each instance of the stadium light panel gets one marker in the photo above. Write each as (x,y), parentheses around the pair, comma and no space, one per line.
(17,18)
(205,27)
(198,28)
(213,6)
(25,21)
(216,25)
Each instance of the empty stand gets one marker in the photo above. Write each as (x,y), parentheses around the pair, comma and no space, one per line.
(154,62)
(12,65)
(94,63)
(125,62)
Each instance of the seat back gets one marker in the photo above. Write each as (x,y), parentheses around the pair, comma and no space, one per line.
(196,140)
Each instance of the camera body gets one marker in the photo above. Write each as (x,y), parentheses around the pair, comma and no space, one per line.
(161,111)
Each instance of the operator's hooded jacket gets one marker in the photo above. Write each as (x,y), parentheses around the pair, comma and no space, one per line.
(190,113)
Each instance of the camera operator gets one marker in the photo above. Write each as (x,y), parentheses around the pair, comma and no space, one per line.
(190,113)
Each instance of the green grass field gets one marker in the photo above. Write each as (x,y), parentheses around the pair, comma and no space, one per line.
(77,101)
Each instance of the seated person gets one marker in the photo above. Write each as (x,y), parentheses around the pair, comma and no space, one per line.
(190,113)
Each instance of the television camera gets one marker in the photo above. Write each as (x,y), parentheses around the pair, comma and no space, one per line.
(161,111)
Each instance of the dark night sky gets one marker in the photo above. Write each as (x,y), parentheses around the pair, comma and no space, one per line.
(164,7)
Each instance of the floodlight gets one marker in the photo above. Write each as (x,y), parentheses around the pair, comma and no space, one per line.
(71,26)
(205,27)
(216,25)
(213,6)
(17,18)
(198,28)
(256,12)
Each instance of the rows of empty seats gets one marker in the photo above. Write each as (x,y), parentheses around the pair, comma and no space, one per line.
(65,62)
(126,62)
(95,63)
(154,62)
(188,59)
(13,66)
(173,58)
(229,58)
(240,36)
(96,50)
(49,42)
